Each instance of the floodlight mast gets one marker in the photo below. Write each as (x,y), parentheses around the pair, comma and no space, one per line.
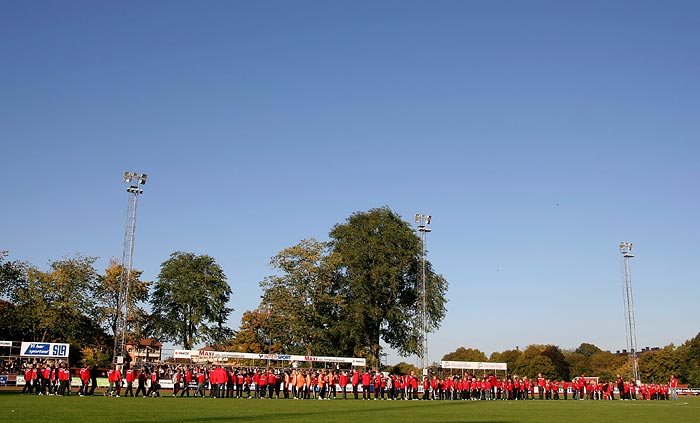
(630,329)
(422,222)
(135,180)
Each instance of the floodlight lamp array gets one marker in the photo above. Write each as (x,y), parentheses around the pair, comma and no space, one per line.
(626,248)
(138,178)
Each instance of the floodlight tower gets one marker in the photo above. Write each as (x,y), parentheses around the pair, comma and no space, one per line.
(626,250)
(423,221)
(135,180)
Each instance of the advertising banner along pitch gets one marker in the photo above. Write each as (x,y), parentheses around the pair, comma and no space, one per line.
(44,349)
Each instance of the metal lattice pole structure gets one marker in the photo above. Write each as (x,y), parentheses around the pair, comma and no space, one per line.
(423,221)
(626,250)
(135,180)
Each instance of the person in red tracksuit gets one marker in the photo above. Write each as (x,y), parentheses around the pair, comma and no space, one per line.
(45,380)
(27,382)
(213,381)
(240,382)
(186,379)
(141,377)
(53,381)
(130,376)
(343,380)
(261,384)
(355,380)
(378,385)
(540,385)
(84,380)
(201,379)
(117,378)
(64,380)
(366,382)
(110,379)
(271,383)
(154,390)
(223,379)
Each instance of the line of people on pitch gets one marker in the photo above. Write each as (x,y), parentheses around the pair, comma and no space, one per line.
(47,379)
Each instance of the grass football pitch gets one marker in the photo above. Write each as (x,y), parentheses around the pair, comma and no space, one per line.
(18,408)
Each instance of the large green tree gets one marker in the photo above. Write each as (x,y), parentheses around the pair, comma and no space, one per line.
(255,334)
(689,358)
(532,361)
(465,354)
(107,299)
(189,299)
(51,306)
(303,299)
(379,267)
(605,365)
(56,305)
(510,357)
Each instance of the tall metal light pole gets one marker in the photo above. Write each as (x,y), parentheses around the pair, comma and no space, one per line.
(135,180)
(626,250)
(423,221)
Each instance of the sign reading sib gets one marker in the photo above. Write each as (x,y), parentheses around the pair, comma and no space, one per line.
(44,349)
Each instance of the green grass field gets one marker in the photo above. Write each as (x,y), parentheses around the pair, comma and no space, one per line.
(74,409)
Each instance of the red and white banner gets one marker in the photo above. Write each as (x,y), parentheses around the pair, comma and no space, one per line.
(473,365)
(223,355)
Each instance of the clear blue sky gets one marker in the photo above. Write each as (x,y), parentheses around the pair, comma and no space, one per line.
(539,134)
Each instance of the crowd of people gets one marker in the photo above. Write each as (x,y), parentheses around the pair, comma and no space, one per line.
(47,379)
(218,381)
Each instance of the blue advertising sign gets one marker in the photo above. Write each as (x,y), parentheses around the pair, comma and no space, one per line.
(44,349)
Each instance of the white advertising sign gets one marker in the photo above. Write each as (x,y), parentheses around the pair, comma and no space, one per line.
(251,356)
(44,349)
(473,365)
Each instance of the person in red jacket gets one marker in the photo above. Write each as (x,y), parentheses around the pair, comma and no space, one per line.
(343,380)
(201,379)
(223,379)
(36,379)
(355,380)
(53,381)
(260,384)
(64,380)
(366,383)
(540,385)
(271,383)
(240,384)
(186,379)
(110,380)
(141,377)
(130,376)
(118,379)
(27,382)
(84,380)
(673,387)
(333,384)
(45,379)
(154,389)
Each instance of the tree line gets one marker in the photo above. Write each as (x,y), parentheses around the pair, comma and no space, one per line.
(72,302)
(339,297)
(655,366)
